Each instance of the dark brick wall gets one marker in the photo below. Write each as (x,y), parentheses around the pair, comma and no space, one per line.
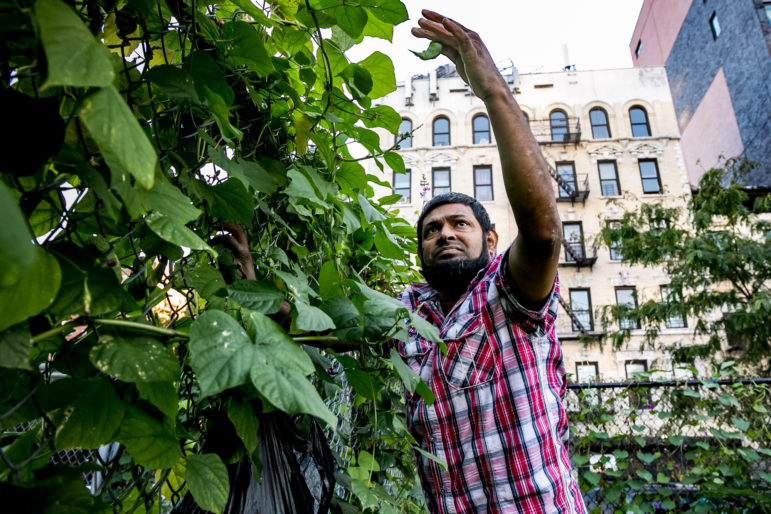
(743,53)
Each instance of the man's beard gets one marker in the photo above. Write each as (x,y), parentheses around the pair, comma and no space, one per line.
(452,277)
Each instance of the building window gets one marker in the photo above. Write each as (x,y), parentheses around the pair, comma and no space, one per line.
(671,296)
(649,173)
(714,25)
(405,127)
(638,48)
(441,181)
(558,121)
(581,305)
(609,184)
(768,11)
(573,237)
(627,297)
(638,398)
(481,129)
(402,186)
(588,372)
(615,246)
(483,183)
(441,131)
(639,120)
(599,120)
(567,172)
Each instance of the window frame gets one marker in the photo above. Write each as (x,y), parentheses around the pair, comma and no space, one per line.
(489,168)
(592,395)
(434,133)
(408,140)
(474,130)
(616,181)
(667,292)
(588,292)
(580,225)
(628,323)
(637,400)
(634,124)
(615,254)
(552,127)
(408,198)
(605,125)
(643,179)
(560,192)
(440,169)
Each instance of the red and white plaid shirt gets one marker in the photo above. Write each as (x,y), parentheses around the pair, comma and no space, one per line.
(498,420)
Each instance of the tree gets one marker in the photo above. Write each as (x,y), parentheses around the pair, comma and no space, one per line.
(717,256)
(145,127)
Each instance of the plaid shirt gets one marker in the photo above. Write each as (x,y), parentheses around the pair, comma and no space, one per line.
(498,420)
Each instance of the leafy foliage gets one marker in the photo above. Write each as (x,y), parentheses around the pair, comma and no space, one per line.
(126,326)
(716,256)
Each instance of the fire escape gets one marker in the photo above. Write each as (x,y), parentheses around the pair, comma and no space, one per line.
(577,327)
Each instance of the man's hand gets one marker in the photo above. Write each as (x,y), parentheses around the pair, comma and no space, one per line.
(238,245)
(465,49)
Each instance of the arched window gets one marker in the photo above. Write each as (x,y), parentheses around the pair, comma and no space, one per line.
(599,120)
(559,125)
(405,127)
(481,129)
(441,134)
(639,120)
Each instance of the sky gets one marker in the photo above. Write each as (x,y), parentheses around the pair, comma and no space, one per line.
(531,33)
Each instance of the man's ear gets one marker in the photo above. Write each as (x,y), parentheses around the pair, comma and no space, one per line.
(492,242)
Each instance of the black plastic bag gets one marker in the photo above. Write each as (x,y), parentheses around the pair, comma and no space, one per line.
(298,475)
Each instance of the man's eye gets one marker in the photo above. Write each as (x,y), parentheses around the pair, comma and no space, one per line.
(462,223)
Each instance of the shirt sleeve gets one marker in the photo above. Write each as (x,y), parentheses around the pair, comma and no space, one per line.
(536,320)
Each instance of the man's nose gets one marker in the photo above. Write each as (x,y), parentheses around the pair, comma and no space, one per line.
(447,232)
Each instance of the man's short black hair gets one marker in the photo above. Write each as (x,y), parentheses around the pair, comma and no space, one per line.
(480,213)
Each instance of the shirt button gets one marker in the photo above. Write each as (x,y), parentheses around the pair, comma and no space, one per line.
(432,439)
(443,491)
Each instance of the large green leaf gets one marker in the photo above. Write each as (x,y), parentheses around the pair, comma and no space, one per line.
(35,290)
(176,232)
(207,281)
(381,69)
(169,200)
(390,11)
(409,377)
(74,57)
(248,172)
(329,280)
(253,11)
(242,414)
(207,75)
(386,246)
(16,249)
(150,442)
(245,47)
(351,19)
(95,419)
(376,27)
(312,318)
(382,116)
(123,143)
(220,352)
(207,478)
(135,359)
(274,345)
(291,392)
(15,345)
(94,290)
(161,394)
(263,297)
(175,82)
(231,201)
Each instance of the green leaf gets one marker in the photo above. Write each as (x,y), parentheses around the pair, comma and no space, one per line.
(351,19)
(362,383)
(432,52)
(263,297)
(231,201)
(351,177)
(95,419)
(17,251)
(646,457)
(273,345)
(151,443)
(74,57)
(409,377)
(15,345)
(301,187)
(207,281)
(675,440)
(175,232)
(135,359)
(425,392)
(592,477)
(207,75)
(246,423)
(425,329)
(253,11)
(392,12)
(220,352)
(207,478)
(367,461)
(740,424)
(381,69)
(245,47)
(395,162)
(661,478)
(291,392)
(382,116)
(386,246)
(248,172)
(161,394)
(358,80)
(365,495)
(329,280)
(645,475)
(124,145)
(175,82)
(35,290)
(378,28)
(170,201)
(310,318)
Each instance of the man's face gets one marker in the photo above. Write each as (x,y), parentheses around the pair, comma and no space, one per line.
(451,232)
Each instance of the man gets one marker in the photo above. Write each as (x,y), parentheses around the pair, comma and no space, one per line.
(498,420)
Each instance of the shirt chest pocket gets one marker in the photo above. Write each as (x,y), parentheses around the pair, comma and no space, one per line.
(470,360)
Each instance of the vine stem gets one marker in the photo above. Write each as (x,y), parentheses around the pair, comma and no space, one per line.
(113,322)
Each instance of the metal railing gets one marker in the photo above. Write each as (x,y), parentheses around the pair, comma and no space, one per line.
(545,133)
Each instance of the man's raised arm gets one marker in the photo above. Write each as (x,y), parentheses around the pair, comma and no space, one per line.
(534,254)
